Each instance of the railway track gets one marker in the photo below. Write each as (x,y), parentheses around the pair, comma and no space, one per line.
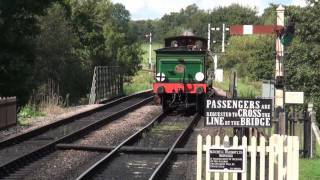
(21,150)
(149,151)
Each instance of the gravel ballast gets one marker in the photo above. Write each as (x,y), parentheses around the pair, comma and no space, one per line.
(36,122)
(68,164)
(114,133)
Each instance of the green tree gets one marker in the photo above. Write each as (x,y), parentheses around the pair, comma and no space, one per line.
(106,35)
(302,62)
(18,29)
(251,56)
(56,59)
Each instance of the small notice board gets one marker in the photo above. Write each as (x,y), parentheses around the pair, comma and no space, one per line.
(231,159)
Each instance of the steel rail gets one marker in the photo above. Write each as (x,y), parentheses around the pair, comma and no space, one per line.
(126,149)
(45,149)
(180,139)
(113,152)
(34,132)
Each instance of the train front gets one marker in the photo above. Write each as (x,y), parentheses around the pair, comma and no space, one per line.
(181,72)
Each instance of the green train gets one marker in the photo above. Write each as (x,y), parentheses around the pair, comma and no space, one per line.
(181,72)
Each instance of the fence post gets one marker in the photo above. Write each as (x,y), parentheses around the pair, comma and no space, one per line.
(3,114)
(235,144)
(253,146)
(208,144)
(244,144)
(289,158)
(92,98)
(8,112)
(307,135)
(271,156)
(280,156)
(199,157)
(226,143)
(217,143)
(11,111)
(295,157)
(262,148)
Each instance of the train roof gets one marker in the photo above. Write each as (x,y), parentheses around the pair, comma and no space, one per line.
(184,43)
(184,37)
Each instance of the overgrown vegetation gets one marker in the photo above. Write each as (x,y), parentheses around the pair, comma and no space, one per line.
(246,88)
(142,81)
(27,112)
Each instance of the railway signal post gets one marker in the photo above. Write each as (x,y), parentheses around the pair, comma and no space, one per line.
(279,80)
(279,71)
(150,48)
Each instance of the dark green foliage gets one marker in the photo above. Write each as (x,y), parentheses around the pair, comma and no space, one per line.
(18,28)
(303,61)
(61,44)
(56,59)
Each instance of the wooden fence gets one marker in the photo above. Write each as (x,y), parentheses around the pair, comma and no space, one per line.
(8,112)
(107,83)
(278,160)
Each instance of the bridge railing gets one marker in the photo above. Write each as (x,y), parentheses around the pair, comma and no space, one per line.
(107,83)
(8,112)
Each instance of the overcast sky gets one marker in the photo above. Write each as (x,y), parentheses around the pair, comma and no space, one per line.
(152,9)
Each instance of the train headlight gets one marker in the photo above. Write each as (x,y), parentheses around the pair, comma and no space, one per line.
(160,77)
(199,76)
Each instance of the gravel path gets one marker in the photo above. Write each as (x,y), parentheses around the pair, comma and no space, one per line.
(36,122)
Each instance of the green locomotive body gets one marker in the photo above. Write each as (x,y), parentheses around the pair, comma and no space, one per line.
(181,72)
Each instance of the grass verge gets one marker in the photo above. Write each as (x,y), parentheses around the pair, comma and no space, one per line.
(309,169)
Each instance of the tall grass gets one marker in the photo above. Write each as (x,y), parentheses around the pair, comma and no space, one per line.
(142,81)
(246,88)
(45,100)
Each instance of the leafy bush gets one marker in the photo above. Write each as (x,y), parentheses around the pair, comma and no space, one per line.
(26,112)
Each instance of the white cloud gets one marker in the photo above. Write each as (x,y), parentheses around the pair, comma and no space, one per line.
(148,9)
(301,3)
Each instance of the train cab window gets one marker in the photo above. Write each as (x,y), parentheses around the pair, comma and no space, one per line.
(199,45)
(174,43)
(183,42)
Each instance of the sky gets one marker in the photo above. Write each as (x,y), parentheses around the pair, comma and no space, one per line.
(153,9)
